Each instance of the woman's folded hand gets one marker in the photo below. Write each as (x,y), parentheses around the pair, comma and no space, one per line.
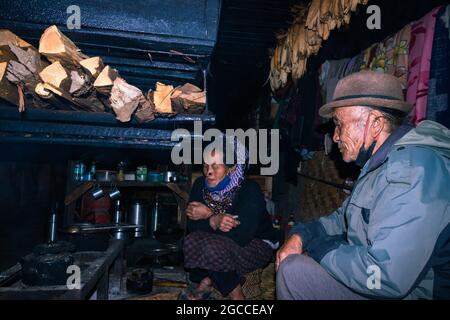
(198,211)
(224,222)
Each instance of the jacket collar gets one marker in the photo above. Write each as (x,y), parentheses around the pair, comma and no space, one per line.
(379,157)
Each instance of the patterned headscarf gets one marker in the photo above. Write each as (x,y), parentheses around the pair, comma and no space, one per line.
(221,200)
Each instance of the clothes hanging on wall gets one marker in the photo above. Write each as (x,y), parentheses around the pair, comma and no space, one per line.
(422,33)
(332,71)
(364,59)
(391,55)
(418,55)
(438,104)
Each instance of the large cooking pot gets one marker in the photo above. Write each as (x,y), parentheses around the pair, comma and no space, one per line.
(47,265)
(46,269)
(137,214)
(124,233)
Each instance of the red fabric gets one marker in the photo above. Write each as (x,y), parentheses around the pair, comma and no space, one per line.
(422,33)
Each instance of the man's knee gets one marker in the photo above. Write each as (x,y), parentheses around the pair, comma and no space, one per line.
(294,266)
(295,276)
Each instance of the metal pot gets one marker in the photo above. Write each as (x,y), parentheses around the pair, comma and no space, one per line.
(140,281)
(86,237)
(46,269)
(137,215)
(124,233)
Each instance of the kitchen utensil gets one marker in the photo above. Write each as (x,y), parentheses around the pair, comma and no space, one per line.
(155,218)
(115,193)
(86,237)
(97,192)
(52,228)
(117,215)
(137,215)
(92,228)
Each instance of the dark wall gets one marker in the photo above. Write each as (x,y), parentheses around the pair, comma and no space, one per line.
(235,92)
(29,188)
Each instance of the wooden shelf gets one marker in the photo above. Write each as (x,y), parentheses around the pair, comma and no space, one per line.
(76,189)
(82,187)
(122,184)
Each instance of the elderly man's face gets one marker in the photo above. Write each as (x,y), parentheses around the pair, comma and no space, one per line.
(349,131)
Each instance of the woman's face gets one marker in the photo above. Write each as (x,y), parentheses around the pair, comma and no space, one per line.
(214,169)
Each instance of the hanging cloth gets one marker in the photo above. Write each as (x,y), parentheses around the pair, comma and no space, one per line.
(422,33)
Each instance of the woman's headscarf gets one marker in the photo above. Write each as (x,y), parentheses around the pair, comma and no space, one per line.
(220,200)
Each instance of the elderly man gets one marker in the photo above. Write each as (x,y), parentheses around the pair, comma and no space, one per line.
(390,239)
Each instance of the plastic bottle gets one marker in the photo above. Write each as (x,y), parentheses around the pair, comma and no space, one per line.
(93,169)
(76,171)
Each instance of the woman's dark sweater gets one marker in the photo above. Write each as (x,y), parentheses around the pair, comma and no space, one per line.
(249,205)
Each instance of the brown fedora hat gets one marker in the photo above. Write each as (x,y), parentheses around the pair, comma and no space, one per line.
(369,89)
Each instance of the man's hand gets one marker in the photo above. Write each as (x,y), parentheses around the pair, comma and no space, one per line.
(224,222)
(198,211)
(293,245)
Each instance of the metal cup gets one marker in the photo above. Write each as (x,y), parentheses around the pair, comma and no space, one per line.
(97,193)
(114,194)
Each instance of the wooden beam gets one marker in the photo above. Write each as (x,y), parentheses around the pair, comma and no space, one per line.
(78,192)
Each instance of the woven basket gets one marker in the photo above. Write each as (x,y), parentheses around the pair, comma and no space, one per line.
(251,288)
(318,199)
(252,285)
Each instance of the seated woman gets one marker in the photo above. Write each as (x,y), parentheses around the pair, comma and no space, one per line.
(230,230)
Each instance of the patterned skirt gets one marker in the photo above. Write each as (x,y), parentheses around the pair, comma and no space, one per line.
(214,252)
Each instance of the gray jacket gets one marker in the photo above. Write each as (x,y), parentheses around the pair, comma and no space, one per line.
(394,227)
